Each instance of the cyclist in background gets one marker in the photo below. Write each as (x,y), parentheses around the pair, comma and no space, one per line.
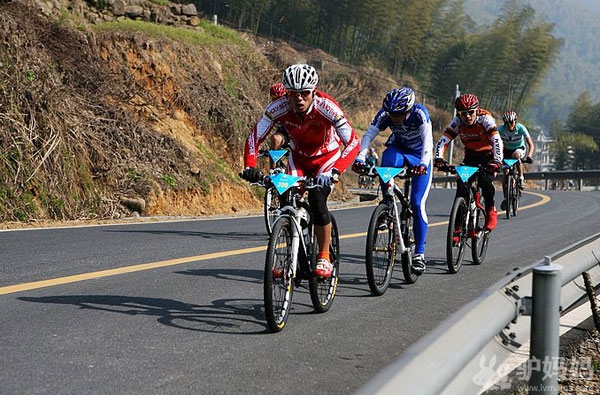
(477,130)
(322,145)
(515,137)
(279,139)
(372,158)
(410,144)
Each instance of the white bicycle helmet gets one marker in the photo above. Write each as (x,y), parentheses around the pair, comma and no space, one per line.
(300,77)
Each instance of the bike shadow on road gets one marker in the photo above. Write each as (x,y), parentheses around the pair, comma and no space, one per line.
(241,275)
(256,236)
(222,316)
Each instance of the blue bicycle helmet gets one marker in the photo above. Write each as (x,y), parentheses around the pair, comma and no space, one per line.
(399,101)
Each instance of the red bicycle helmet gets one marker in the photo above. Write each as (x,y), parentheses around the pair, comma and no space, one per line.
(466,102)
(277,90)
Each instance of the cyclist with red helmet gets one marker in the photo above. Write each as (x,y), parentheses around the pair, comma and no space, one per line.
(322,145)
(478,132)
(279,139)
(516,140)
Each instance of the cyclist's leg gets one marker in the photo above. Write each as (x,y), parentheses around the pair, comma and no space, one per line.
(418,196)
(519,155)
(317,198)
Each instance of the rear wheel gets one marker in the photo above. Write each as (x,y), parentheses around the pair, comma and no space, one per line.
(380,251)
(456,238)
(479,244)
(322,290)
(271,207)
(278,287)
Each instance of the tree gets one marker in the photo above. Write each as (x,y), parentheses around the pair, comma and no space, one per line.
(574,151)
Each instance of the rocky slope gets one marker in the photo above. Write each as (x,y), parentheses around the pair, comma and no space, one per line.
(104,114)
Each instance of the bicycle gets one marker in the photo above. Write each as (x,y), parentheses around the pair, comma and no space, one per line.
(367,179)
(467,219)
(513,192)
(292,253)
(271,202)
(390,233)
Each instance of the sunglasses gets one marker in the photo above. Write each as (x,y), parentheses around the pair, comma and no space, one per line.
(301,93)
(467,112)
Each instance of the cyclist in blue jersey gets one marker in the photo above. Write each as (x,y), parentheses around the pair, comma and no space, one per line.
(518,144)
(410,144)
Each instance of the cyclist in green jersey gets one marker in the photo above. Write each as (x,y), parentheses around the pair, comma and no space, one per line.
(518,144)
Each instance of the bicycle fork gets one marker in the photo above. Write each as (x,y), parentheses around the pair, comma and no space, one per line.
(297,239)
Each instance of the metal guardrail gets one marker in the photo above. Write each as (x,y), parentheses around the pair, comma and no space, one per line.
(449,359)
(547,176)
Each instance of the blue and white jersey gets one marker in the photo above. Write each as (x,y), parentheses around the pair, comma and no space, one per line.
(413,136)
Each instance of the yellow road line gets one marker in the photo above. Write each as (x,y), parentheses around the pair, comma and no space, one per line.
(123,270)
(172,262)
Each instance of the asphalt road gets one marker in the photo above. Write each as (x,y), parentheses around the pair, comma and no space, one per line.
(176,307)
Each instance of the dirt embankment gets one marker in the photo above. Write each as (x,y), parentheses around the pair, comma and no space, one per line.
(94,119)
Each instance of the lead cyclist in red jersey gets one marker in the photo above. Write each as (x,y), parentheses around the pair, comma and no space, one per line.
(478,132)
(322,144)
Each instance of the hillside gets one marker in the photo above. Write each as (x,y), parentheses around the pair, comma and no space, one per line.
(98,120)
(575,70)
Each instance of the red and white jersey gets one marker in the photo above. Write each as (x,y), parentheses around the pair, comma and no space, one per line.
(480,137)
(321,130)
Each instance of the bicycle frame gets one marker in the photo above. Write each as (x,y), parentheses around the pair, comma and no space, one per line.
(297,210)
(469,190)
(387,175)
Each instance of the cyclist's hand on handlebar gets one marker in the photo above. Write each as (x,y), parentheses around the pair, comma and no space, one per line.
(440,163)
(529,160)
(251,174)
(418,170)
(359,166)
(328,178)
(492,168)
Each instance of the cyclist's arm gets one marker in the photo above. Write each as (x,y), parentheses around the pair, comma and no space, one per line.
(529,140)
(369,136)
(442,143)
(259,133)
(351,144)
(497,146)
(427,142)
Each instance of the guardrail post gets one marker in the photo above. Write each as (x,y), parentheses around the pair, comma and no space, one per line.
(545,320)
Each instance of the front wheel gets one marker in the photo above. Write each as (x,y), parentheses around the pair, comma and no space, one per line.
(479,244)
(515,202)
(322,290)
(456,237)
(271,208)
(380,252)
(278,276)
(510,195)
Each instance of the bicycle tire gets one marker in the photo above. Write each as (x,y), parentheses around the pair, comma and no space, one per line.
(457,224)
(322,290)
(407,257)
(380,252)
(479,244)
(270,208)
(278,278)
(510,186)
(516,202)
